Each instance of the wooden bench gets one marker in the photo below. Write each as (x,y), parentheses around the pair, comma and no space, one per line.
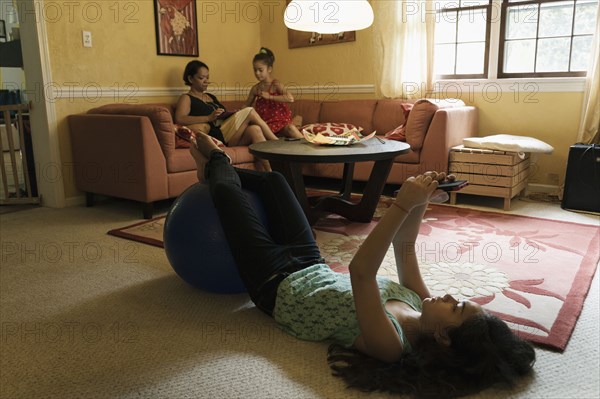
(489,172)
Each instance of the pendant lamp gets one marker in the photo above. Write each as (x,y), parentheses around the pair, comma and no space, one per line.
(327,16)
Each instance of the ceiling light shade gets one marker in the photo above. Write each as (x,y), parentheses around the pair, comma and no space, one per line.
(327,16)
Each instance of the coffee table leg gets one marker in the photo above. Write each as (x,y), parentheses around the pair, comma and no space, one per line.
(363,210)
(347,179)
(293,174)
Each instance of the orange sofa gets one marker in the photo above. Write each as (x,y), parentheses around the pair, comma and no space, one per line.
(129,150)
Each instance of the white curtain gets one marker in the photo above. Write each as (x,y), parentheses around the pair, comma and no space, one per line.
(589,129)
(405,32)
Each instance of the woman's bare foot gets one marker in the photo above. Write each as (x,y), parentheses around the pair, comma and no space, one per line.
(438,196)
(200,159)
(205,145)
(202,147)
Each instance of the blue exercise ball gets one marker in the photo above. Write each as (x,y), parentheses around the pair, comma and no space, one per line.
(196,245)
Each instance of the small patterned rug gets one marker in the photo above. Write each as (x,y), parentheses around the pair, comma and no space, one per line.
(533,273)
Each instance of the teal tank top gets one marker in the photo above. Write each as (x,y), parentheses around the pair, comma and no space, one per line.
(316,304)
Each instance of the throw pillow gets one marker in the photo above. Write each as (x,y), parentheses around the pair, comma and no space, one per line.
(330,129)
(183,137)
(418,122)
(399,133)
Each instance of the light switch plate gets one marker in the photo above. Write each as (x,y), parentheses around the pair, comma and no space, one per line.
(87,39)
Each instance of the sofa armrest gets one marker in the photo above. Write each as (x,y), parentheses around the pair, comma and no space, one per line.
(118,155)
(448,128)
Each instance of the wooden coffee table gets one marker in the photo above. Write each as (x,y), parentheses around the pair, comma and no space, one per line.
(287,158)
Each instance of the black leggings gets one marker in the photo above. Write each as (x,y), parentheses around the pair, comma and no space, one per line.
(264,256)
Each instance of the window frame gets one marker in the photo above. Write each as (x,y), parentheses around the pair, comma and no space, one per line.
(566,82)
(486,56)
(501,45)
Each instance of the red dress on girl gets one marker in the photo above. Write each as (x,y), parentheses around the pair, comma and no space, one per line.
(277,115)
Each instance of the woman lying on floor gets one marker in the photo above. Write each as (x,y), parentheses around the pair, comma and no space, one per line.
(387,336)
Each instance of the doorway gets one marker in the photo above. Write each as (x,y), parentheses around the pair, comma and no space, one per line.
(25,25)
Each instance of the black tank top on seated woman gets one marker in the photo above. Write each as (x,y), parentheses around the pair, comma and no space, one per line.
(202,108)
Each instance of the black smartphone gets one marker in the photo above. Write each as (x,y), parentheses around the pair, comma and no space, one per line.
(453,186)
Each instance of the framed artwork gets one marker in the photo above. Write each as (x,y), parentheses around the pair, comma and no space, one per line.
(297,39)
(2,29)
(176,27)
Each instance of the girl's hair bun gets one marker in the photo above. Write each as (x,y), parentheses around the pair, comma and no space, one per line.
(265,55)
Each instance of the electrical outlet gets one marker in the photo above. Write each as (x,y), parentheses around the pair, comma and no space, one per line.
(87,39)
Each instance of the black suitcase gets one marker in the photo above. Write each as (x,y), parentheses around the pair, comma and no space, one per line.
(582,181)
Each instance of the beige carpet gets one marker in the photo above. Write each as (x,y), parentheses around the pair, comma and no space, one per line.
(84,314)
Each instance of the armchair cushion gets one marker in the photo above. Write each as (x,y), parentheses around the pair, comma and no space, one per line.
(159,115)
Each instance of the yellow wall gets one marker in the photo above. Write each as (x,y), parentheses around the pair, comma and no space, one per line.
(350,63)
(124,52)
(550,117)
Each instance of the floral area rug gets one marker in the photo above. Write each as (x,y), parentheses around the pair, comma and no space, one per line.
(532,273)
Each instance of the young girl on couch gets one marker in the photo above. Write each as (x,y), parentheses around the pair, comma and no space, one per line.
(388,336)
(270,97)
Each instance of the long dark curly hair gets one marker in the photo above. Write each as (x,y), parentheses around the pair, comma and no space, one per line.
(483,352)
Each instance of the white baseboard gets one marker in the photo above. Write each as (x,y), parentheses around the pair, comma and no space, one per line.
(542,188)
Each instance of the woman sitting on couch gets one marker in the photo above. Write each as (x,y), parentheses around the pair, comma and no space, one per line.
(203,113)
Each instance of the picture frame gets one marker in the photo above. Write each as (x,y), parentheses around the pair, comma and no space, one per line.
(298,39)
(3,29)
(176,25)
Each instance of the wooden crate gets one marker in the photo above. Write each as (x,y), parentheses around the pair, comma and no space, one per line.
(490,173)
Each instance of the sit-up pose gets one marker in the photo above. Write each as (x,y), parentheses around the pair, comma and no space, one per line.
(387,336)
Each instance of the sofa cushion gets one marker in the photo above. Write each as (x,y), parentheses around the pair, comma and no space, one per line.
(356,112)
(159,115)
(308,109)
(421,115)
(418,122)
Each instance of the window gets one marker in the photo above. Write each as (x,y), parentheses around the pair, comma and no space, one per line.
(543,38)
(536,38)
(462,35)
